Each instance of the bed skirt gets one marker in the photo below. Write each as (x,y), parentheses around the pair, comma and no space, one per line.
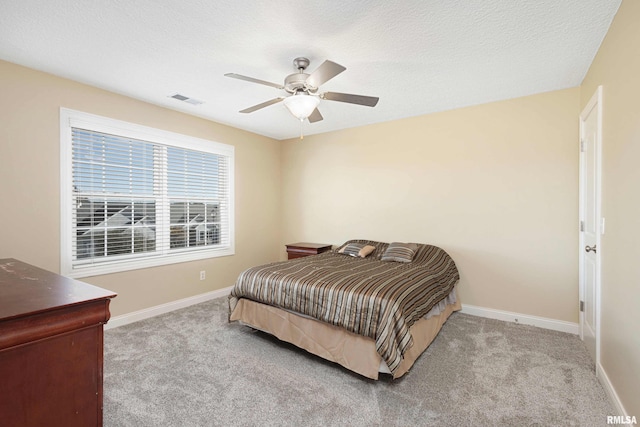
(355,352)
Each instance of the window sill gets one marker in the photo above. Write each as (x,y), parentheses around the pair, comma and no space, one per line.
(147,262)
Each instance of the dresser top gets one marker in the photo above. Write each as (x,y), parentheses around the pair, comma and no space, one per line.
(25,290)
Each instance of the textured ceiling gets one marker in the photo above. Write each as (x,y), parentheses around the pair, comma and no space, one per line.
(418,56)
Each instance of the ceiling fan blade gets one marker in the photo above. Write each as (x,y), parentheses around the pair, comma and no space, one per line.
(315,116)
(369,101)
(252,80)
(325,72)
(262,105)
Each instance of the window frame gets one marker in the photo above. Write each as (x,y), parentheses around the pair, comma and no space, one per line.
(76,119)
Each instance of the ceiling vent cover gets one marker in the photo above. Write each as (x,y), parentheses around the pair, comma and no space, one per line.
(191,101)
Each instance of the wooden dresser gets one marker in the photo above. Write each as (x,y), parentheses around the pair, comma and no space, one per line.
(298,250)
(51,348)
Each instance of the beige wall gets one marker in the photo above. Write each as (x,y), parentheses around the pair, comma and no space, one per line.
(29,184)
(495,185)
(617,68)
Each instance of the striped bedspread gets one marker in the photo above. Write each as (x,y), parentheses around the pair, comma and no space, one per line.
(378,299)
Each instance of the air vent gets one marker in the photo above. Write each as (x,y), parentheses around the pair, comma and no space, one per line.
(191,101)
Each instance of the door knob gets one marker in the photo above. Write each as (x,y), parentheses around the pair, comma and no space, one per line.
(590,248)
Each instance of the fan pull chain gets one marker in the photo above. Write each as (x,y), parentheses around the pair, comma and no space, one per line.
(301,135)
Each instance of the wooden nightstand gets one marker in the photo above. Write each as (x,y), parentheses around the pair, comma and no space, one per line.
(298,250)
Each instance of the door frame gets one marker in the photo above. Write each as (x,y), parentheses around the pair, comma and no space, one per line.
(594,103)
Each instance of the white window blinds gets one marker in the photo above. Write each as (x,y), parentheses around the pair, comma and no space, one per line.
(115,204)
(137,202)
(198,200)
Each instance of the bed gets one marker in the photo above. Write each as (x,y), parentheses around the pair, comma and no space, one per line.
(369,306)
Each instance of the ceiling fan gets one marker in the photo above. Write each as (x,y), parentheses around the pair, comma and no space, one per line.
(303,87)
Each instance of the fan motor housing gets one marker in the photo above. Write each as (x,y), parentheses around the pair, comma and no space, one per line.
(296,82)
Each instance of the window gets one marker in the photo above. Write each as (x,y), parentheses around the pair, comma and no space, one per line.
(135,197)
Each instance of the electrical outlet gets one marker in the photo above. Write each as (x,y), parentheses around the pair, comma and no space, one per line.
(203,275)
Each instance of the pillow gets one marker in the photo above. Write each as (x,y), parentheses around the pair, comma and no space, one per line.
(400,252)
(377,252)
(357,250)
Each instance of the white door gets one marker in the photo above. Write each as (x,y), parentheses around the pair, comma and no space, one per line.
(591,223)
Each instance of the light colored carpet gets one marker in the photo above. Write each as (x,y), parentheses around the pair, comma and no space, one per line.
(192,368)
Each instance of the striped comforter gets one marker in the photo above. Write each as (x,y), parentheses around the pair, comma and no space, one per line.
(380,300)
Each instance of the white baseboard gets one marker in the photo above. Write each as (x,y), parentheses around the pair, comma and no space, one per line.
(146,313)
(507,316)
(525,319)
(611,392)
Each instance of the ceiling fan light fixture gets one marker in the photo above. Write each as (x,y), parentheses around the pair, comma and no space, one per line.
(301,105)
